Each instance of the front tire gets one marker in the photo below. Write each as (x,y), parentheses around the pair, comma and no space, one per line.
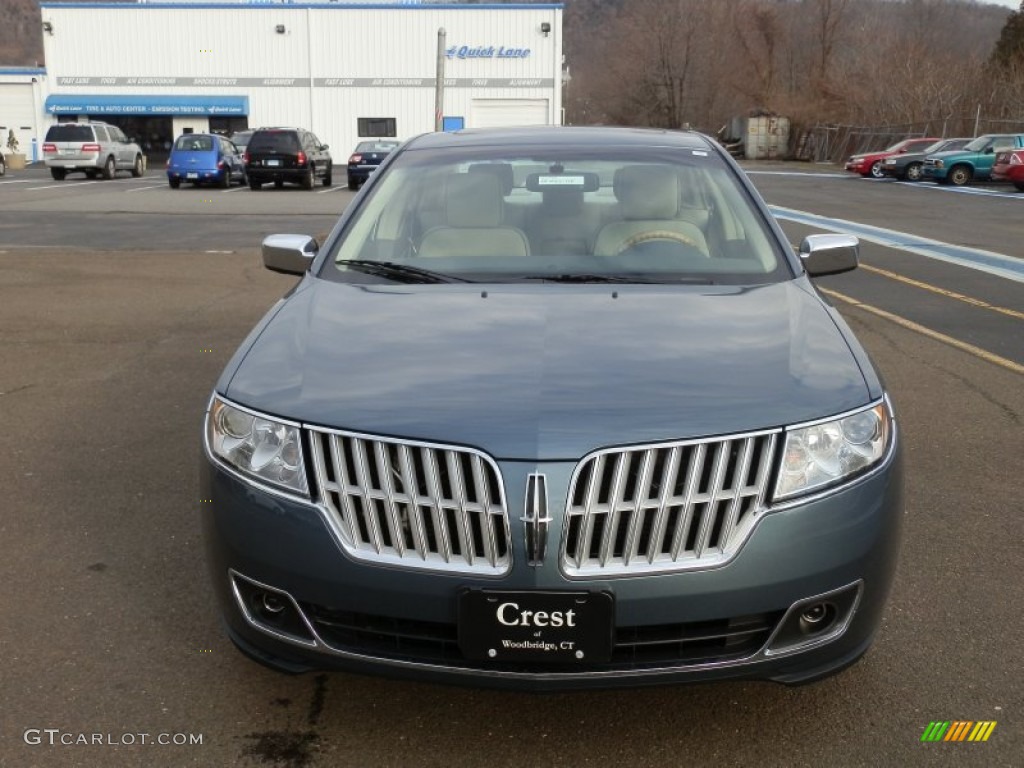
(109,168)
(959,175)
(138,168)
(913,172)
(875,171)
(225,180)
(58,173)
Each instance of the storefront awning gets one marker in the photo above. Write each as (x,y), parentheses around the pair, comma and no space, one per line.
(108,104)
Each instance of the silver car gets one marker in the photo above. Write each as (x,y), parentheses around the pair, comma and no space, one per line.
(94,148)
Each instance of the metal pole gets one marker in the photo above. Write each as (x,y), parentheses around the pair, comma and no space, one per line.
(439,83)
(977,119)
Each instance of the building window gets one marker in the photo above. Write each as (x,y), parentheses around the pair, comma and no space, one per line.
(227,125)
(378,127)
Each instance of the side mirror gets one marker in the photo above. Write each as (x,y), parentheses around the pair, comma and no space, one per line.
(829,254)
(325,146)
(989,150)
(289,254)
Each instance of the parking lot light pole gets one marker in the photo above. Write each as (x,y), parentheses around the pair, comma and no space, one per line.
(439,83)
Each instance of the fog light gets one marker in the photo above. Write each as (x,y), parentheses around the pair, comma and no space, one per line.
(814,620)
(272,603)
(271,610)
(817,618)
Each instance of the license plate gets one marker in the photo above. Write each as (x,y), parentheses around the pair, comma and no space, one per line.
(191,175)
(273,162)
(538,627)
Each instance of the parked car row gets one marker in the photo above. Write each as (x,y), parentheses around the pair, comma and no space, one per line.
(253,158)
(960,161)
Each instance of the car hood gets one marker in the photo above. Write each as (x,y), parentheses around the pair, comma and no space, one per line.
(548,371)
(952,154)
(907,156)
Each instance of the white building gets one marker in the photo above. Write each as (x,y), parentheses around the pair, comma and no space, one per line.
(347,71)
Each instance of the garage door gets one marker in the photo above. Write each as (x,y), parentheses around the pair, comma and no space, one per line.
(17,112)
(498,113)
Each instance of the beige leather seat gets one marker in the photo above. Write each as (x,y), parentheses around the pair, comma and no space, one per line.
(475,223)
(648,198)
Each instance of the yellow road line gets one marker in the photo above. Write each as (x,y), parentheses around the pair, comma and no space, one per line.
(942,291)
(970,349)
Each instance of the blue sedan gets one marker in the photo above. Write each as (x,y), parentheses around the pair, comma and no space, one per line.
(554,408)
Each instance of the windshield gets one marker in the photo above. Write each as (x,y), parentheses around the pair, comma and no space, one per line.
(189,143)
(981,143)
(572,215)
(376,146)
(69,132)
(273,141)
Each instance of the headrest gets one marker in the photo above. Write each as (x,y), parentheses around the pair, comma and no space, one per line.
(647,191)
(562,202)
(503,172)
(473,200)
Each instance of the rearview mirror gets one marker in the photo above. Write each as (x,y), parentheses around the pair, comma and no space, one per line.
(289,254)
(829,254)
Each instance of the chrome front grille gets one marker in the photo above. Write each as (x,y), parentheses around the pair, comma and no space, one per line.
(667,507)
(413,505)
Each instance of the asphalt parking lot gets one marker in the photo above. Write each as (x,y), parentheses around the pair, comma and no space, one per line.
(121,303)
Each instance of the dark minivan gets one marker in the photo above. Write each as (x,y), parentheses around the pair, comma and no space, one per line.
(294,155)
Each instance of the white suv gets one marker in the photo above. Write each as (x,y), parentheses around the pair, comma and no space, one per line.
(95,148)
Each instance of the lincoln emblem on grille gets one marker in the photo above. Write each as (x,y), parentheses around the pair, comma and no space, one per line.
(536,518)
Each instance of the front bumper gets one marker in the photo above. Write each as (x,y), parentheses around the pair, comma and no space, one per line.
(844,541)
(933,173)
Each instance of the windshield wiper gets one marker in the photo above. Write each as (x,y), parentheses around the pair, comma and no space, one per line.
(599,278)
(404,272)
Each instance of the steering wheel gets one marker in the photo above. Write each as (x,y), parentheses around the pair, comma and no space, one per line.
(660,234)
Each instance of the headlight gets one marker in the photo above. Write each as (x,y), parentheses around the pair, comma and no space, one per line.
(825,454)
(257,446)
(939,164)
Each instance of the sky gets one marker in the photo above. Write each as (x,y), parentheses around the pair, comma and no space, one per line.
(1014,4)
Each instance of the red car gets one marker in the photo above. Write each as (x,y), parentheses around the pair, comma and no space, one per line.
(1010,167)
(870,163)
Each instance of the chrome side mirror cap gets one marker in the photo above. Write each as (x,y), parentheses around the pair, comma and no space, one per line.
(829,254)
(290,254)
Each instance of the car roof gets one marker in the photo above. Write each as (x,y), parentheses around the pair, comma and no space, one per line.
(556,136)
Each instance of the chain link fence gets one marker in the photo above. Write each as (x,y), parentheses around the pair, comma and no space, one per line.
(834,143)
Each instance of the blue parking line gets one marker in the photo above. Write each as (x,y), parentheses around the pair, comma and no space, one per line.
(998,264)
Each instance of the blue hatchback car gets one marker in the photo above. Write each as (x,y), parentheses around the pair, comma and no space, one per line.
(554,408)
(204,158)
